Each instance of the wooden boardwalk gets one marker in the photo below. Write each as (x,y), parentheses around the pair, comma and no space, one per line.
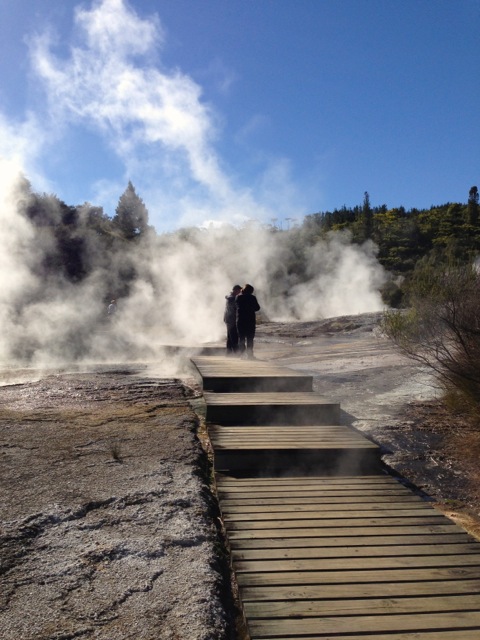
(302,407)
(224,375)
(333,553)
(300,449)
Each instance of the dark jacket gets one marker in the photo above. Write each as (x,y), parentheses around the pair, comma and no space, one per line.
(230,315)
(247,305)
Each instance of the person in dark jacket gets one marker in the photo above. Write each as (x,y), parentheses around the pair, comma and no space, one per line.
(247,305)
(230,319)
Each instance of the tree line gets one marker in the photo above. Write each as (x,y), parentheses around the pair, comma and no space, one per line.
(81,238)
(408,239)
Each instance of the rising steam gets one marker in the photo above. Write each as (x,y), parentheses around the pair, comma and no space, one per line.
(182,278)
(178,294)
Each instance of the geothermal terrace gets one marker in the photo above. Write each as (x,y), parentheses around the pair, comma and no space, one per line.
(114,525)
(324,542)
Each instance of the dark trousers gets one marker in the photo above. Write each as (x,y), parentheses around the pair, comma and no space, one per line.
(232,338)
(246,334)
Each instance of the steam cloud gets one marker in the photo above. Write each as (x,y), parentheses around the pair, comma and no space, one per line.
(182,279)
(178,296)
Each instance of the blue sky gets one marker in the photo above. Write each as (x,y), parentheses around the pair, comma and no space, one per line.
(224,110)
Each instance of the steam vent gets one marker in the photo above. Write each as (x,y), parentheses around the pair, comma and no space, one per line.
(324,542)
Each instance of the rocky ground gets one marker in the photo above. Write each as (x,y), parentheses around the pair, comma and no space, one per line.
(109,525)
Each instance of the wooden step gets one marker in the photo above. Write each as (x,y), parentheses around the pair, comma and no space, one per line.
(231,374)
(270,408)
(303,450)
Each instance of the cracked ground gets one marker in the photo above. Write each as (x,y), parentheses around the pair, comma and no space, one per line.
(107,521)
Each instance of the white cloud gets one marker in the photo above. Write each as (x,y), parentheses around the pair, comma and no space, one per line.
(102,84)
(21,145)
(110,25)
(157,121)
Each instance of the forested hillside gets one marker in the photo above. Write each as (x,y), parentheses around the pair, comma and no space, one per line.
(78,240)
(405,239)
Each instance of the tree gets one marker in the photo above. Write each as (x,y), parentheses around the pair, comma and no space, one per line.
(131,214)
(367,215)
(472,206)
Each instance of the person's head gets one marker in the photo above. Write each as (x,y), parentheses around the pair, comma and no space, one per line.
(236,289)
(247,289)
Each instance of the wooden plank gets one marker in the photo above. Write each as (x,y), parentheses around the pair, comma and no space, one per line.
(349,541)
(260,440)
(362,606)
(234,511)
(238,434)
(314,492)
(310,483)
(317,514)
(359,576)
(237,509)
(224,367)
(334,503)
(394,589)
(281,431)
(226,364)
(352,551)
(363,624)
(308,489)
(333,523)
(298,482)
(261,436)
(284,430)
(224,375)
(352,564)
(271,449)
(325,532)
(308,445)
(381,478)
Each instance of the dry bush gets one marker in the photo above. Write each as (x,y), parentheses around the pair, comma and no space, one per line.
(441,330)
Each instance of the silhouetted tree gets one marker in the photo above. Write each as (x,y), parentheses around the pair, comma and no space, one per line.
(131,214)
(472,206)
(367,214)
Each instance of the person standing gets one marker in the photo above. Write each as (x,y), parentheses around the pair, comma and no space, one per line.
(247,305)
(230,319)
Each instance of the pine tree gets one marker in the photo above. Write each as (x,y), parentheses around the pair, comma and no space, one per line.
(367,216)
(473,206)
(131,214)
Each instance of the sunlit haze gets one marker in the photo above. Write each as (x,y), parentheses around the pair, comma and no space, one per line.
(227,116)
